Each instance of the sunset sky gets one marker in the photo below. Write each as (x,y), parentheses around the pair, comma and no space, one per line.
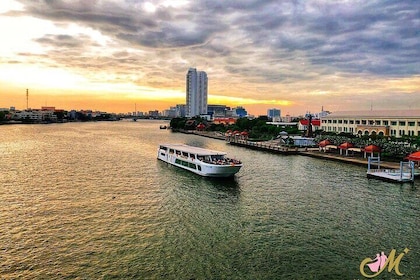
(292,55)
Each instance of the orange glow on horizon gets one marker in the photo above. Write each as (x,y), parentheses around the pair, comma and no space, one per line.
(122,102)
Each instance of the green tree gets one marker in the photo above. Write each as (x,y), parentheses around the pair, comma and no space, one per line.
(2,116)
(178,123)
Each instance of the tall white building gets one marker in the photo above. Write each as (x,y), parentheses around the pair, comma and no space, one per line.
(196,84)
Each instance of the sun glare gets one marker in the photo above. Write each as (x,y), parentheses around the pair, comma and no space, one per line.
(38,76)
(149,7)
(217,99)
(10,5)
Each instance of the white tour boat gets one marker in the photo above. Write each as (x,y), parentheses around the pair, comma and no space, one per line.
(198,160)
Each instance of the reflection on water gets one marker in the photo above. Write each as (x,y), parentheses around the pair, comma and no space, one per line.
(90,200)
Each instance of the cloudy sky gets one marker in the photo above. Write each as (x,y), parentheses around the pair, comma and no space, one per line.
(293,55)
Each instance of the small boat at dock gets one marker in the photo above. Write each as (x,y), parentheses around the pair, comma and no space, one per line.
(208,163)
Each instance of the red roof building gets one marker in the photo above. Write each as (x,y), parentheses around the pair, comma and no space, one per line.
(303,124)
(225,121)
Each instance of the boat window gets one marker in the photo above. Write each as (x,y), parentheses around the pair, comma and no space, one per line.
(199,167)
(191,165)
(192,156)
(163,148)
(185,154)
(171,151)
(178,153)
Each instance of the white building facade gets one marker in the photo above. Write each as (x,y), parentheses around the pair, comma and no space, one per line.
(35,115)
(196,92)
(382,122)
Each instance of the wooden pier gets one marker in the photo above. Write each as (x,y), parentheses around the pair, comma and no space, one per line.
(265,146)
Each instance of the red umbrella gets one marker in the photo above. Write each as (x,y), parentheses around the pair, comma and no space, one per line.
(346,145)
(324,143)
(414,156)
(372,149)
(200,127)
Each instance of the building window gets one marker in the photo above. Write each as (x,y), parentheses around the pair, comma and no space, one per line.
(357,122)
(402,123)
(378,122)
(363,121)
(329,121)
(411,123)
(351,122)
(385,122)
(334,121)
(393,123)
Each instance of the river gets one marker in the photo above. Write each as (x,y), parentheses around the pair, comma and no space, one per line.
(91,201)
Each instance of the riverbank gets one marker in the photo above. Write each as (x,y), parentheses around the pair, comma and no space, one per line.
(271,146)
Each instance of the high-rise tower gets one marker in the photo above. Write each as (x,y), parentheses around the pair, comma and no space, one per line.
(196,92)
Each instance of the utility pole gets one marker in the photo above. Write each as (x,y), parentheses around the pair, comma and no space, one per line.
(27,99)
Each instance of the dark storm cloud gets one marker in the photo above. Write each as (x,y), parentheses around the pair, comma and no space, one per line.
(253,38)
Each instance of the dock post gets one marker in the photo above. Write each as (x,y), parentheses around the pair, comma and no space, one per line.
(412,170)
(401,171)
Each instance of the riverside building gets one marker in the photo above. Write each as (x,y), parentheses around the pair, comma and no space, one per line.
(196,91)
(382,122)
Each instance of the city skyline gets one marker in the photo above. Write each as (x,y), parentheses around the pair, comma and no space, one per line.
(295,55)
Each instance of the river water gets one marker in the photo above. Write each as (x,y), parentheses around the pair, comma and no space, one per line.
(91,201)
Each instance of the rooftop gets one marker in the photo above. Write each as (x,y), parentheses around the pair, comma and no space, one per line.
(375,113)
(192,149)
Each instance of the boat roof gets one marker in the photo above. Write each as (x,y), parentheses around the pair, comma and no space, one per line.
(193,150)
